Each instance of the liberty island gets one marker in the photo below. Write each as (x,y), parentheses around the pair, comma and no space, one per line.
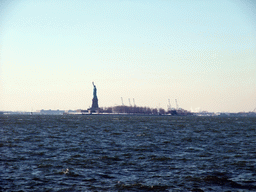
(131,110)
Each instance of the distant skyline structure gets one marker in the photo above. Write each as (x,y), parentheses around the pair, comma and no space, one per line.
(95,104)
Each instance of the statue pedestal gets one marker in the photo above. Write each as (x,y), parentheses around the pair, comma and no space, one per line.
(95,105)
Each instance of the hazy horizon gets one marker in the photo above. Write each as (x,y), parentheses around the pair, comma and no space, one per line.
(202,53)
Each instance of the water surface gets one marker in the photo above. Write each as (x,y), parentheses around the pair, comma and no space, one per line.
(127,153)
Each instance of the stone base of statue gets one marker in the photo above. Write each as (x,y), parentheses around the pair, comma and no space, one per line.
(95,103)
(95,106)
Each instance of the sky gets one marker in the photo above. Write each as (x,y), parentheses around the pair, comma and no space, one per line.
(202,53)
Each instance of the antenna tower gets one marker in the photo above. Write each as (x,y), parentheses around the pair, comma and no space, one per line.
(122,100)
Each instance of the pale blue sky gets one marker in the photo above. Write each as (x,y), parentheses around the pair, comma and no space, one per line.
(202,53)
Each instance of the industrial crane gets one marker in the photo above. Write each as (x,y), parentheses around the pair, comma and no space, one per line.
(130,102)
(177,107)
(169,105)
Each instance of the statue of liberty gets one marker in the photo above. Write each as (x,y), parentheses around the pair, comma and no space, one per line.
(94,91)
(95,105)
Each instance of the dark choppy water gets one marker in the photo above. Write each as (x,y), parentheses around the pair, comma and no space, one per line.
(127,153)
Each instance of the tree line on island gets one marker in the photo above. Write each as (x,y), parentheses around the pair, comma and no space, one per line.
(143,110)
